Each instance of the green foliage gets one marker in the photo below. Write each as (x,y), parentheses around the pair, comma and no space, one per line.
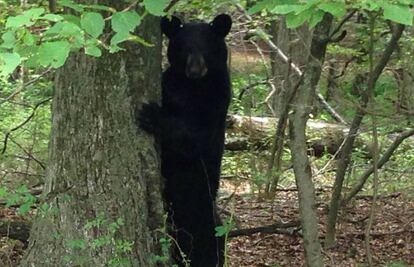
(156,7)
(36,38)
(105,239)
(251,102)
(53,53)
(123,23)
(398,264)
(300,11)
(20,197)
(93,23)
(165,242)
(225,228)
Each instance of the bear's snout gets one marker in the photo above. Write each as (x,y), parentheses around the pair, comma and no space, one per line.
(195,67)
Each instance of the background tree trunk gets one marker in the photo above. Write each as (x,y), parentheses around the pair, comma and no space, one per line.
(102,169)
(297,131)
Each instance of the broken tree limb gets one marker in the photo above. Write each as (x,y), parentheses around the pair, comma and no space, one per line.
(262,35)
(291,228)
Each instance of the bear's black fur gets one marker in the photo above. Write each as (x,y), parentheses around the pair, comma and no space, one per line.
(191,124)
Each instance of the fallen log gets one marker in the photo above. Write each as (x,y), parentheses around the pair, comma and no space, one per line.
(244,133)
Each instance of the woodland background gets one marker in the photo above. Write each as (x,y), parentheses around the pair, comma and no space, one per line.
(347,66)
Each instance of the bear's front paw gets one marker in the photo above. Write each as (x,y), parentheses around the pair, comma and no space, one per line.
(148,118)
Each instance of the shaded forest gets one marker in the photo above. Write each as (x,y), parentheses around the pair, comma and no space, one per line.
(318,167)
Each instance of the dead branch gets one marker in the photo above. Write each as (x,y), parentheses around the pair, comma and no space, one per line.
(261,34)
(22,124)
(277,228)
(361,235)
(340,24)
(384,159)
(23,86)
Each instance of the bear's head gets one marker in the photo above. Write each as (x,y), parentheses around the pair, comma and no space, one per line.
(196,49)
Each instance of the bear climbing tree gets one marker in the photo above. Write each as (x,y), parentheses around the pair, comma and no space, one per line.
(190,125)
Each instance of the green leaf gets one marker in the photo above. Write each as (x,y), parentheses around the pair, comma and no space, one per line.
(18,21)
(294,21)
(337,9)
(72,19)
(3,191)
(12,199)
(22,189)
(316,17)
(125,21)
(93,23)
(25,19)
(119,37)
(8,39)
(29,39)
(9,62)
(156,7)
(30,54)
(25,208)
(76,244)
(34,13)
(54,53)
(69,31)
(71,4)
(285,9)
(259,6)
(101,7)
(398,13)
(220,230)
(93,51)
(52,17)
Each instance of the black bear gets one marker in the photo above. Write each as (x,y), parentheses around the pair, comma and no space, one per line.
(190,125)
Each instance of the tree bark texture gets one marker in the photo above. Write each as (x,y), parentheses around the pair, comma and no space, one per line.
(297,130)
(295,44)
(103,186)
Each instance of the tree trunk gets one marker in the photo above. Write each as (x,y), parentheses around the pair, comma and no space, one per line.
(284,77)
(102,191)
(297,131)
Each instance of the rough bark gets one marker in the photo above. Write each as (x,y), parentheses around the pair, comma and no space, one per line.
(297,131)
(102,168)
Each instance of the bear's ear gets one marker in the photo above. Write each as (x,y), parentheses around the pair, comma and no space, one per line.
(221,25)
(170,26)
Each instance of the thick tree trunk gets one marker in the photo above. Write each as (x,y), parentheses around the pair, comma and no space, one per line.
(102,188)
(297,131)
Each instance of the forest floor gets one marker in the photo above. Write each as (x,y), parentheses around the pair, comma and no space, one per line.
(392,238)
(392,235)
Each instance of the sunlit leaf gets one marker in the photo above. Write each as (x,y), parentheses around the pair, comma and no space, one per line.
(93,23)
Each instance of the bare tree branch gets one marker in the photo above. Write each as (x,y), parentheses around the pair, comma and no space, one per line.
(23,86)
(261,34)
(276,228)
(384,159)
(22,124)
